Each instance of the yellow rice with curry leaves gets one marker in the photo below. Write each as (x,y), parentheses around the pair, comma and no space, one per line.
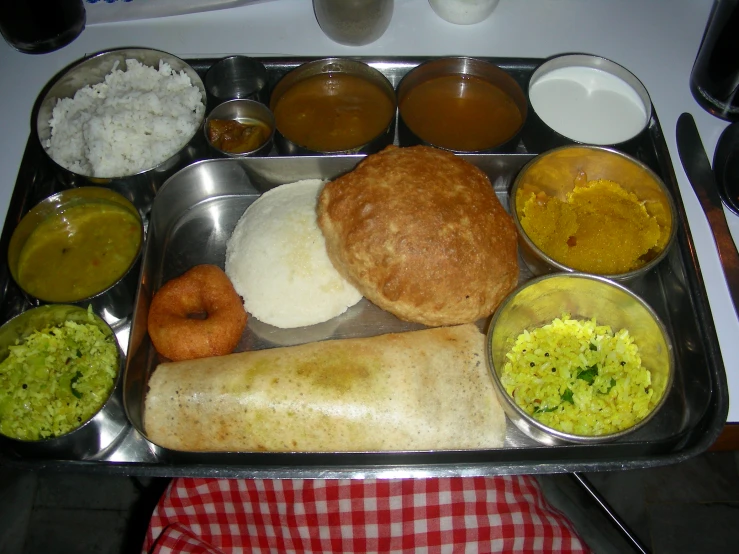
(579,377)
(56,379)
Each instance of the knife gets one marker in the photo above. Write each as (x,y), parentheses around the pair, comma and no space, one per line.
(698,169)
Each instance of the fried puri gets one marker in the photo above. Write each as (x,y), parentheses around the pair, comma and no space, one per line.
(421,233)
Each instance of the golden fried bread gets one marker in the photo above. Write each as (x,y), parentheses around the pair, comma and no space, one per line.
(421,233)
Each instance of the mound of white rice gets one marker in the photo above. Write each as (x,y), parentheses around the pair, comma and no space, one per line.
(132,121)
(579,377)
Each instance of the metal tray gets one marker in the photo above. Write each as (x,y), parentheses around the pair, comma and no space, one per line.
(191,223)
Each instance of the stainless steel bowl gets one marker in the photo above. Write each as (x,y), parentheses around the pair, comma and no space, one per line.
(242,110)
(540,136)
(141,187)
(334,66)
(115,303)
(583,296)
(237,77)
(461,66)
(94,436)
(554,173)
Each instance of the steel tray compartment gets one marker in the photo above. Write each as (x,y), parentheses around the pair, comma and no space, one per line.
(194,228)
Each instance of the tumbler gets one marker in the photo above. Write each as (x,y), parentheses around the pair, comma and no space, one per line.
(41,26)
(714,80)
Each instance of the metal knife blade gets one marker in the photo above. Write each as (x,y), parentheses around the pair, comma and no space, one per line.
(698,169)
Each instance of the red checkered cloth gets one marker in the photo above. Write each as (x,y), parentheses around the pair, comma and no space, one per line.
(459,514)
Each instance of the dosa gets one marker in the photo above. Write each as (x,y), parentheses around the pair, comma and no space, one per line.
(420,390)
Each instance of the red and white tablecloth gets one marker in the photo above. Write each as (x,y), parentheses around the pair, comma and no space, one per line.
(459,514)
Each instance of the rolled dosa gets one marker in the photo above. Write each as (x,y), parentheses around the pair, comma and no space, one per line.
(420,390)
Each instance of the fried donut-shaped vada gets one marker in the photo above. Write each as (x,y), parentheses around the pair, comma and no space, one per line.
(176,326)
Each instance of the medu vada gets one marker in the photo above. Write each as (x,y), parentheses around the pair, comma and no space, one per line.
(176,324)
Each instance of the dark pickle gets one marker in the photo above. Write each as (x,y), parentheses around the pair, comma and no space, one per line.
(236,137)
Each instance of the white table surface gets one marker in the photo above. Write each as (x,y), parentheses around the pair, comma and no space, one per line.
(657,40)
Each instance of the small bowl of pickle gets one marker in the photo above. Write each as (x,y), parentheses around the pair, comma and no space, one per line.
(240,128)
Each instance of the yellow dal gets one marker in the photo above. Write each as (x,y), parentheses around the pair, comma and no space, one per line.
(600,227)
(79,252)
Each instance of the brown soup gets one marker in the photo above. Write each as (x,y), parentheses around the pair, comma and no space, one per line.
(333,112)
(460,112)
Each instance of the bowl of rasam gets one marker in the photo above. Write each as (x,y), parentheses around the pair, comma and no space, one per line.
(333,106)
(462,105)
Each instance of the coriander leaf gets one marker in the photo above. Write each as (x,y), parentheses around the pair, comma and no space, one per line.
(567,396)
(593,347)
(611,384)
(588,375)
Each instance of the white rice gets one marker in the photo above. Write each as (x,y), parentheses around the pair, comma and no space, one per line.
(132,121)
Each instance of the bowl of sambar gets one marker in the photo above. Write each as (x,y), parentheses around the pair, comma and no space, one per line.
(461,104)
(594,210)
(333,106)
(79,246)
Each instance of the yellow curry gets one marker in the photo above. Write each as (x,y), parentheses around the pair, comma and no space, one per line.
(599,228)
(79,252)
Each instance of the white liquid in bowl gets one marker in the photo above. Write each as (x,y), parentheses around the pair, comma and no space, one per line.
(588,105)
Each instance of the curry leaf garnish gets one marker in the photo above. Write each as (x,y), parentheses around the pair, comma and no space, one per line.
(593,347)
(72,383)
(567,396)
(588,375)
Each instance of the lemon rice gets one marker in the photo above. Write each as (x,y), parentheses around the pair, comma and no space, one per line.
(579,377)
(55,380)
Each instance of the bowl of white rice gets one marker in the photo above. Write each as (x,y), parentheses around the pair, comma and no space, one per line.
(60,368)
(578,358)
(126,119)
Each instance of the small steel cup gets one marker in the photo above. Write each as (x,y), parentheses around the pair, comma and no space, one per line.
(236,77)
(242,110)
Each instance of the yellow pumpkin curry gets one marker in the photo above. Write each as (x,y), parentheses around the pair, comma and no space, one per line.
(600,227)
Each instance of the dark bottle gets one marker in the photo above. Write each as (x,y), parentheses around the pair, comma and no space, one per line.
(714,80)
(40,26)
